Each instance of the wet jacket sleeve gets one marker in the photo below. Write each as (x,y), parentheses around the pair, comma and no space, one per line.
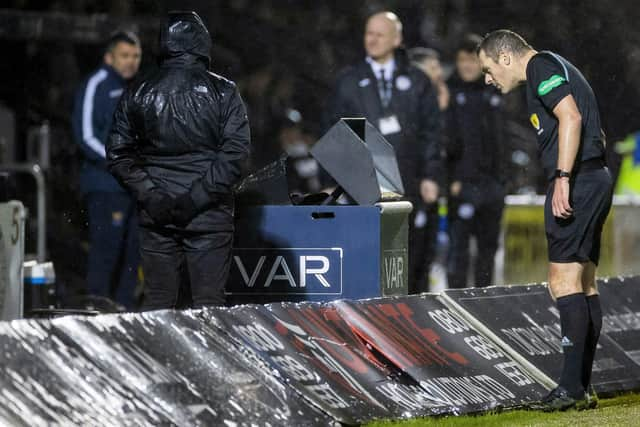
(429,135)
(122,152)
(226,170)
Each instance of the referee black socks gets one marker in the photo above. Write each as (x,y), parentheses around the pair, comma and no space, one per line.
(574,326)
(595,325)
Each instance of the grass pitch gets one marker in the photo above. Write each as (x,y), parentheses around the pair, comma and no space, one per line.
(623,410)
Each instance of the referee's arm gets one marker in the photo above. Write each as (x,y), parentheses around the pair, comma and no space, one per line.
(569,128)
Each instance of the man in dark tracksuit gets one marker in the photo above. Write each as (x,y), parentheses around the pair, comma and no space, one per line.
(564,112)
(398,98)
(475,163)
(179,143)
(113,231)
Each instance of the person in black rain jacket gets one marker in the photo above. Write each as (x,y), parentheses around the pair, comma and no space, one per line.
(179,142)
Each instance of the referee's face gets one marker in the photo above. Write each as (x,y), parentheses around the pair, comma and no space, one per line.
(499,74)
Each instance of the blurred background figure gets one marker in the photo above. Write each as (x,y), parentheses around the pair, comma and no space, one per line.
(398,98)
(475,164)
(436,248)
(428,60)
(112,269)
(269,94)
(303,171)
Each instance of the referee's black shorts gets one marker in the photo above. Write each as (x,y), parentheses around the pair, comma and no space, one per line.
(577,238)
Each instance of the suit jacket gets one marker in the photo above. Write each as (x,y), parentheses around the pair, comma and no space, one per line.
(413,102)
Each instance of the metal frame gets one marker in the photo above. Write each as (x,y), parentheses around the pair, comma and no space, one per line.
(36,172)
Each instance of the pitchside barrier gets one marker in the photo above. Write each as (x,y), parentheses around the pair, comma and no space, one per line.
(524,322)
(345,362)
(160,368)
(381,358)
(621,313)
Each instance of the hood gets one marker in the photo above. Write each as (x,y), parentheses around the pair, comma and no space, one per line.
(184,34)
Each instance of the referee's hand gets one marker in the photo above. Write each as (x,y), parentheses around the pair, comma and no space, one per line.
(560,203)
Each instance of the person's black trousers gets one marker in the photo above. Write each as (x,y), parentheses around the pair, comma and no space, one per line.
(484,223)
(423,235)
(168,254)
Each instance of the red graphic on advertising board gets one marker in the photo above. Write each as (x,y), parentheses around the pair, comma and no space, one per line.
(392,329)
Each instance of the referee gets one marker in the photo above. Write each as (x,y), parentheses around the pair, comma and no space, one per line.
(564,112)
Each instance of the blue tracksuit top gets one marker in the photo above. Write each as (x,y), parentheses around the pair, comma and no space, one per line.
(95,102)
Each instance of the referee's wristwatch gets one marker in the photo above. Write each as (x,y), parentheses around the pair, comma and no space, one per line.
(562,174)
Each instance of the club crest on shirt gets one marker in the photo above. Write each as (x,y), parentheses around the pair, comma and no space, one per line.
(403,83)
(535,122)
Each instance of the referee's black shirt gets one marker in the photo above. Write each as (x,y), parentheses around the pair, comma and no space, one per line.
(550,78)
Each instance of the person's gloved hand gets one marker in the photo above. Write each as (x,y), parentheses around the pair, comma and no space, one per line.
(184,210)
(159,206)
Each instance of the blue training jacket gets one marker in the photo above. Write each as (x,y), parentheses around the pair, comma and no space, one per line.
(95,102)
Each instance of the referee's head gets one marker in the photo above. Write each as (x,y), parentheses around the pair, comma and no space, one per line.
(503,55)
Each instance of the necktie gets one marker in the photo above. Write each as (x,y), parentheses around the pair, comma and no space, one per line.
(384,89)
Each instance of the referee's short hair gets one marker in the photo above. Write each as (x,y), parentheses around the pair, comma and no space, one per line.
(501,41)
(121,36)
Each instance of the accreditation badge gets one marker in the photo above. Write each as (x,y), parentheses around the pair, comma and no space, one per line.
(389,125)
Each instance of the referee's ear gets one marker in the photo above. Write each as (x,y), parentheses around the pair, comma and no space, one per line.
(504,58)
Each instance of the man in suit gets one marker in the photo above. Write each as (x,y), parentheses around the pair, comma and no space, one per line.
(397,98)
